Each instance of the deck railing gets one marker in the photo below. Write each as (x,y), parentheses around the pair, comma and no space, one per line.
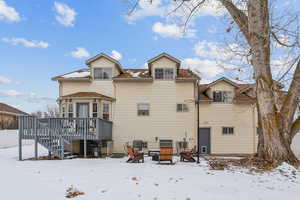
(68,128)
(53,133)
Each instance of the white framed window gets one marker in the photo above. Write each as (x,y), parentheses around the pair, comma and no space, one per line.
(143,109)
(70,110)
(95,109)
(227,130)
(223,96)
(164,73)
(102,73)
(63,110)
(105,111)
(159,73)
(182,107)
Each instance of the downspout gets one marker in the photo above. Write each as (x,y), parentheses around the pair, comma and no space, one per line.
(198,118)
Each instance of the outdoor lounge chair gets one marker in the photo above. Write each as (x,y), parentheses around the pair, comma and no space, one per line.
(187,155)
(166,154)
(134,156)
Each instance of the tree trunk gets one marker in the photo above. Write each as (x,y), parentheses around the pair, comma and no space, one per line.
(274,140)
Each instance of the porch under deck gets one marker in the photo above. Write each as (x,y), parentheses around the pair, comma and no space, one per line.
(55,133)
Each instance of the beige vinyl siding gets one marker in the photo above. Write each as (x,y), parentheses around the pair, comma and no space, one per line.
(104,63)
(163,122)
(240,116)
(103,87)
(221,86)
(163,63)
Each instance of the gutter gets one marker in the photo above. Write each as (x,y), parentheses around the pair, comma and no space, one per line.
(11,113)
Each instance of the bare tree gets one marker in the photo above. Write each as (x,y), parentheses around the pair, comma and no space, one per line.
(52,111)
(262,26)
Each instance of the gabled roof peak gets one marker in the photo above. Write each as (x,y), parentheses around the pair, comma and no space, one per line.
(164,55)
(100,55)
(225,80)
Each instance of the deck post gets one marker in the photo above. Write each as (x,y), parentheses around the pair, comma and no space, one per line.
(84,137)
(20,136)
(35,138)
(98,129)
(62,152)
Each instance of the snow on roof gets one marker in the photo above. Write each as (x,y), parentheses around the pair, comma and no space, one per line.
(77,74)
(135,74)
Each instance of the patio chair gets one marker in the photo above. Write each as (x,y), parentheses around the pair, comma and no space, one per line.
(188,155)
(134,156)
(166,154)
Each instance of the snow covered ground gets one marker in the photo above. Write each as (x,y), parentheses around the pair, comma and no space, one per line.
(9,138)
(114,179)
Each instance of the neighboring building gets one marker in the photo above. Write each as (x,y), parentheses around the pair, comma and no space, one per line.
(8,116)
(154,104)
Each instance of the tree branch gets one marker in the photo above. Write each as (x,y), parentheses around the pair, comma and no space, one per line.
(133,8)
(239,17)
(280,42)
(291,100)
(192,12)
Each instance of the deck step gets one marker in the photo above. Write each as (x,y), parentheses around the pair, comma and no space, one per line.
(70,157)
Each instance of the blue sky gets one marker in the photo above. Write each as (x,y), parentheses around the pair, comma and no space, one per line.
(41,39)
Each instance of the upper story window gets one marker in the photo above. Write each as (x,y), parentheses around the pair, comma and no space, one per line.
(228,130)
(143,109)
(102,73)
(223,96)
(182,107)
(164,73)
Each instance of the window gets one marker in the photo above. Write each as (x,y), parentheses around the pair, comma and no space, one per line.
(222,96)
(95,109)
(102,73)
(63,110)
(164,73)
(169,73)
(159,73)
(228,130)
(182,107)
(70,110)
(105,114)
(143,109)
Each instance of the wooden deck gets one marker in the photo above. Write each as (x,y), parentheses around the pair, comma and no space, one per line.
(54,133)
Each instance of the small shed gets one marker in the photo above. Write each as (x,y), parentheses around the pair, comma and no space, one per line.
(9,116)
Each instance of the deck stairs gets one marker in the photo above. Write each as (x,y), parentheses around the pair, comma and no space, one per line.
(56,134)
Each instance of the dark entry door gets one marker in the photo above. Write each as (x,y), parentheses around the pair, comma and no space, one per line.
(204,140)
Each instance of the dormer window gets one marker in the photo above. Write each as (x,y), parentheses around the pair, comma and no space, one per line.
(164,73)
(102,73)
(223,96)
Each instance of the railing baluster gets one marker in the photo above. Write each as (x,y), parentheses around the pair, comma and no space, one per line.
(52,133)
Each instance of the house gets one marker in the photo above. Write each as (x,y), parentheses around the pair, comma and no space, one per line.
(151,105)
(142,104)
(8,116)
